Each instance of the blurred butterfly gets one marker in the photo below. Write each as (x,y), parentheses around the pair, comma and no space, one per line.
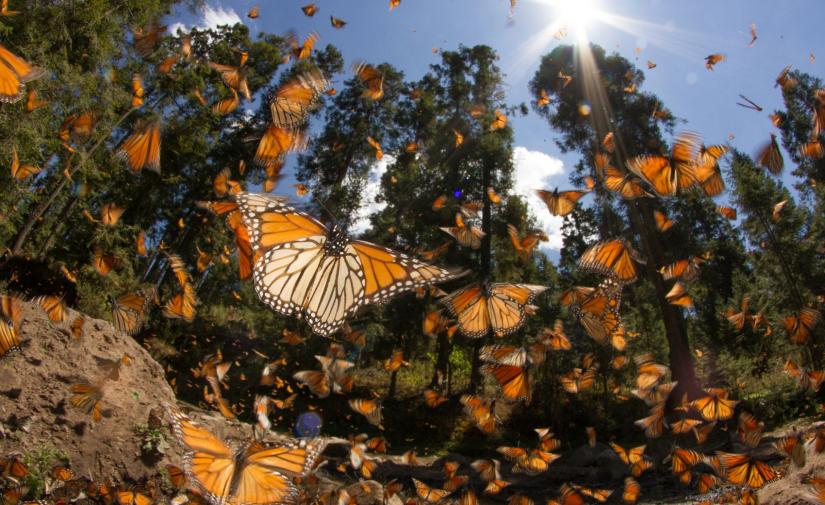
(234,77)
(137,91)
(433,398)
(500,120)
(165,66)
(32,102)
(147,39)
(14,73)
(524,246)
(309,10)
(227,105)
(712,59)
(254,12)
(663,224)
(142,148)
(743,470)
(277,141)
(429,494)
(9,341)
(21,171)
(379,153)
(769,156)
(715,406)
(53,306)
(292,102)
(370,409)
(337,23)
(481,411)
(371,78)
(129,311)
(799,325)
(543,99)
(679,296)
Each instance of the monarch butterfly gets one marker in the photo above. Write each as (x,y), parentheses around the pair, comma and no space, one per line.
(663,224)
(371,78)
(500,307)
(21,171)
(499,122)
(14,72)
(77,327)
(609,143)
(564,78)
(556,339)
(276,142)
(309,10)
(379,153)
(137,91)
(459,138)
(743,470)
(578,380)
(654,424)
(651,64)
(466,236)
(629,456)
(370,409)
(252,473)
(560,203)
(9,342)
(87,397)
(394,4)
(769,156)
(53,306)
(334,376)
(176,476)
(612,258)
(683,460)
(165,66)
(433,398)
(481,411)
(291,103)
(737,319)
(302,51)
(715,406)
(805,380)
(182,305)
(712,183)
(146,39)
(429,494)
(600,495)
(439,202)
(291,338)
(668,176)
(234,77)
(777,209)
(524,246)
(11,308)
(395,362)
(62,473)
(32,102)
(649,372)
(110,214)
(685,269)
(133,498)
(800,324)
(726,212)
(254,12)
(543,99)
(631,490)
(142,148)
(679,296)
(625,185)
(793,447)
(512,379)
(313,272)
(336,22)
(713,59)
(227,105)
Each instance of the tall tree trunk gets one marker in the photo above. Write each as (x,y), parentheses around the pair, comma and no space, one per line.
(486,245)
(679,355)
(442,361)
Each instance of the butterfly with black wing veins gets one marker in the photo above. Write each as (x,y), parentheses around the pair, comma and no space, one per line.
(319,274)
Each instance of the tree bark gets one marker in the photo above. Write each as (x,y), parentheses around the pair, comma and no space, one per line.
(486,245)
(679,355)
(58,226)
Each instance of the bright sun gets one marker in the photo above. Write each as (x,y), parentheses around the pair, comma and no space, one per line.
(576,15)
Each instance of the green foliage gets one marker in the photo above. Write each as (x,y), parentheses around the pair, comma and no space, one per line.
(152,439)
(39,462)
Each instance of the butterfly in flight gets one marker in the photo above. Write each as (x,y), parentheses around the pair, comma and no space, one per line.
(319,274)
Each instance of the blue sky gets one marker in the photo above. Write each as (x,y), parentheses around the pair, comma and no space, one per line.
(675,35)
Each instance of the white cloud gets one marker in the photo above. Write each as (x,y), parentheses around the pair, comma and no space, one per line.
(372,188)
(210,18)
(534,170)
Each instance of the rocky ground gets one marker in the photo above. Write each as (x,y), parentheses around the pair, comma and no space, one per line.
(131,443)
